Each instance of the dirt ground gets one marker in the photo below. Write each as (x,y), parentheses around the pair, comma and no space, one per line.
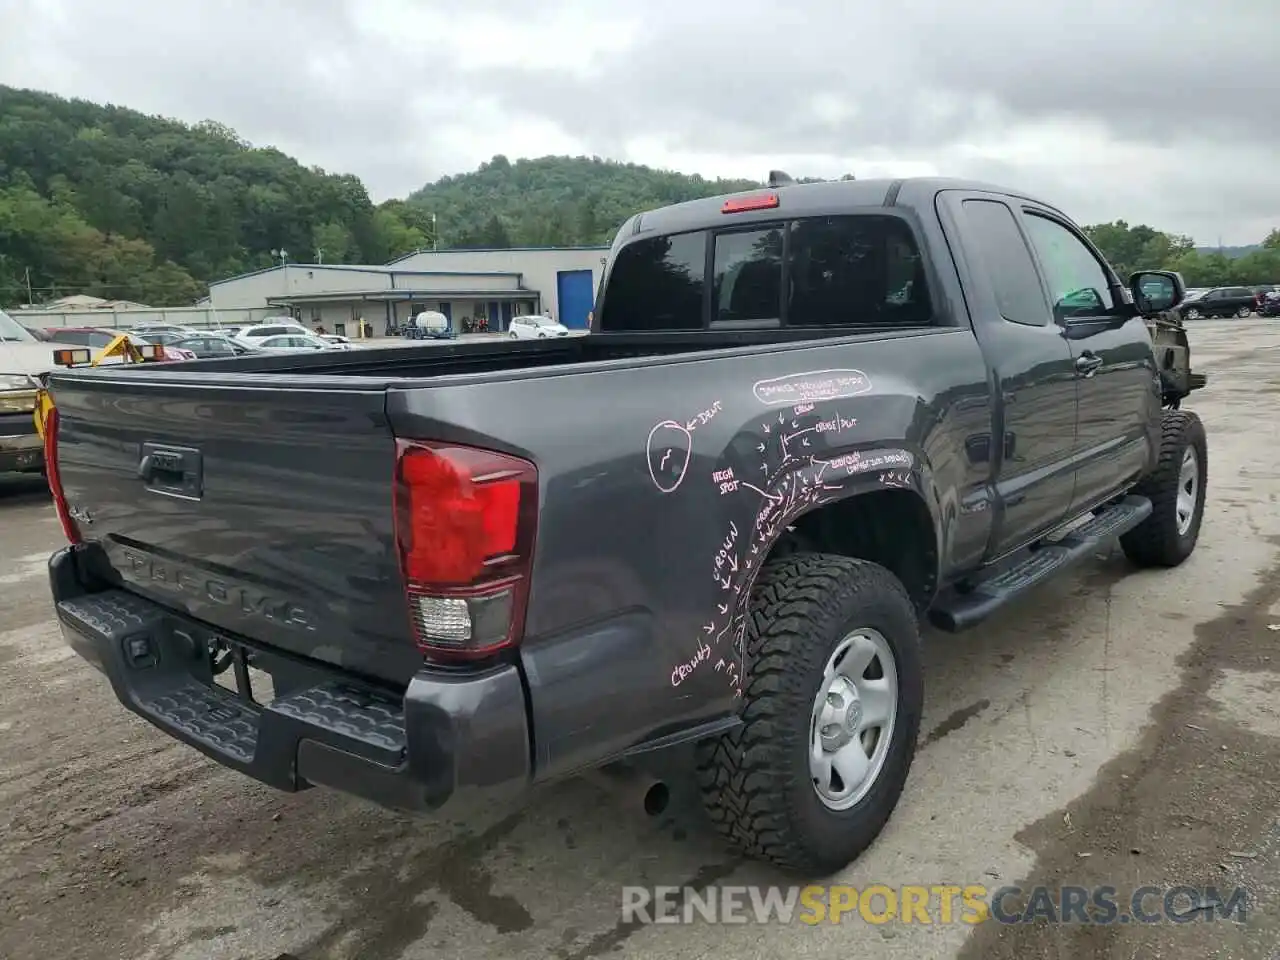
(1118,728)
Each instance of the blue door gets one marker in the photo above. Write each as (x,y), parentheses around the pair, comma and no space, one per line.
(576,298)
(506,314)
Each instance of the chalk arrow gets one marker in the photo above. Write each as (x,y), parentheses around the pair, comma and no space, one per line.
(724,584)
(760,448)
(755,549)
(724,607)
(733,564)
(719,665)
(709,628)
(804,442)
(691,424)
(795,424)
(766,428)
(781,417)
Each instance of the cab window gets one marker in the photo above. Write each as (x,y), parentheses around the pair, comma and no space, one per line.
(1078,285)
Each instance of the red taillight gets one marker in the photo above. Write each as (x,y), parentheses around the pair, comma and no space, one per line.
(69,528)
(465,521)
(761,201)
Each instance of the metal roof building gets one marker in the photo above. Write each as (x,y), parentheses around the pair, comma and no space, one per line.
(465,285)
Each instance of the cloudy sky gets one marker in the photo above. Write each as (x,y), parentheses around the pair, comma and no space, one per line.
(1157,111)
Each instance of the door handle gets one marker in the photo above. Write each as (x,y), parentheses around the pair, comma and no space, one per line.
(1087,363)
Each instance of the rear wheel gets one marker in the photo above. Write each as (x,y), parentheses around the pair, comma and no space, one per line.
(1243,312)
(1176,489)
(833,688)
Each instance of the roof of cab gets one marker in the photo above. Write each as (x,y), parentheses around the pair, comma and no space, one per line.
(808,199)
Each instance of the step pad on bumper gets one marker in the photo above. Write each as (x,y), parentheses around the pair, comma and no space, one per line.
(171,685)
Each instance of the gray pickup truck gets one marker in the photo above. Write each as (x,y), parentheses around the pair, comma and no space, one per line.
(806,419)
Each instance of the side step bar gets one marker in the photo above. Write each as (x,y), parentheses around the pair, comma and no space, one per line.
(961,611)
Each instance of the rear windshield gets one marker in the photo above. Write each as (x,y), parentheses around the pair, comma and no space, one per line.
(847,271)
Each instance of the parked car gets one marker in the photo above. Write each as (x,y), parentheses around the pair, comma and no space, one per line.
(536,328)
(1270,306)
(98,338)
(25,358)
(143,329)
(1220,302)
(249,335)
(1260,294)
(211,344)
(297,341)
(462,586)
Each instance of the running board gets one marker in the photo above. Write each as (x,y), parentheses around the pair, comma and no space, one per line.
(961,611)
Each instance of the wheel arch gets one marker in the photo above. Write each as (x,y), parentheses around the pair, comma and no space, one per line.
(890,526)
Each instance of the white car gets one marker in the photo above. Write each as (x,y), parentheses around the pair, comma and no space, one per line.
(335,339)
(536,328)
(252,336)
(296,342)
(143,329)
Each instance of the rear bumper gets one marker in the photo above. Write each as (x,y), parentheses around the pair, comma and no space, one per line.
(448,740)
(20,446)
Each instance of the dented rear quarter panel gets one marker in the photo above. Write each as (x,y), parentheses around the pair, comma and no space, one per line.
(664,485)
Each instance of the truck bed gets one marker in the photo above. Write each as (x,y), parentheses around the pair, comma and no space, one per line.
(492,356)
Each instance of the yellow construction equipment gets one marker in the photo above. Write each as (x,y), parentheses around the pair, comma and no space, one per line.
(122,346)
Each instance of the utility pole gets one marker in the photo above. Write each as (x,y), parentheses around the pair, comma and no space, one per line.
(435,234)
(30,298)
(319,254)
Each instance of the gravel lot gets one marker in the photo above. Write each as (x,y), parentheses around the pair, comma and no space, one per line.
(1118,728)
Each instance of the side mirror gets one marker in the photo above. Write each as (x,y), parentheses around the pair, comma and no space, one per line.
(1155,291)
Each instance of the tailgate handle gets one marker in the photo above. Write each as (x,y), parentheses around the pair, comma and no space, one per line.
(172,471)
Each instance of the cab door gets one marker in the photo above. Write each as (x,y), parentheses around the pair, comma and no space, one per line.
(1118,384)
(1034,425)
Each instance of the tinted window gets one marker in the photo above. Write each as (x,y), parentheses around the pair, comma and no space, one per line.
(270,331)
(1078,285)
(657,284)
(1007,261)
(747,282)
(856,271)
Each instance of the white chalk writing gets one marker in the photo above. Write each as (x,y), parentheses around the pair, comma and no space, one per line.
(815,386)
(704,417)
(682,670)
(668,450)
(726,480)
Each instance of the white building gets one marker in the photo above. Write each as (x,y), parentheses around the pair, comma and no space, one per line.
(465,285)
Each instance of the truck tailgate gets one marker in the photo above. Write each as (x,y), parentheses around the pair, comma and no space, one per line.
(264,513)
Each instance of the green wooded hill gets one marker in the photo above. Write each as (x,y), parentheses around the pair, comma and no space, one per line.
(107,201)
(553,201)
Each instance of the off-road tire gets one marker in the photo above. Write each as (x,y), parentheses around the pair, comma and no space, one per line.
(1156,542)
(755,780)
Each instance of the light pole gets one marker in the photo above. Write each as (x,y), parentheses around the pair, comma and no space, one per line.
(283,254)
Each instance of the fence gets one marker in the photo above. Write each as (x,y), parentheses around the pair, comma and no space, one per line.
(198,317)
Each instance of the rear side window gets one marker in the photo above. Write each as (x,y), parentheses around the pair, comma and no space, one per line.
(747,283)
(856,271)
(657,284)
(1007,261)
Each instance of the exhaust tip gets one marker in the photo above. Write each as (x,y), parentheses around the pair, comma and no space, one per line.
(656,799)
